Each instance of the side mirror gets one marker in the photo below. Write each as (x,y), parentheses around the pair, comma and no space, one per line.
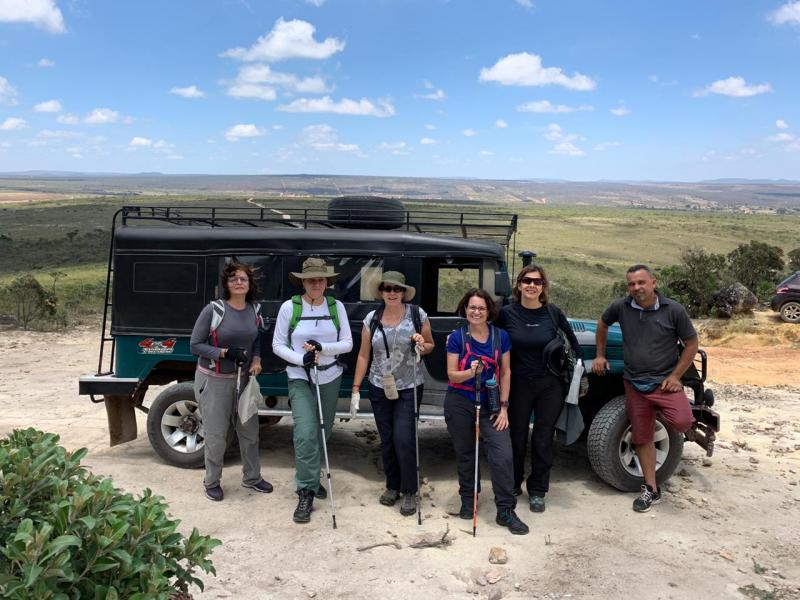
(502,284)
(527,257)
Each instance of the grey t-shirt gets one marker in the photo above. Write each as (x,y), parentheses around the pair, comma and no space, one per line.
(650,337)
(238,329)
(400,361)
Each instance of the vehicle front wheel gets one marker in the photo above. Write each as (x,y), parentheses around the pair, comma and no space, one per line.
(612,454)
(790,312)
(175,427)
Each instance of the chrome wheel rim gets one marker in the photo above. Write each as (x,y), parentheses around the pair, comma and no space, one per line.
(627,453)
(182,427)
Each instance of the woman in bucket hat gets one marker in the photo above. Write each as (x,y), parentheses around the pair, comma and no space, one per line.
(311,328)
(393,334)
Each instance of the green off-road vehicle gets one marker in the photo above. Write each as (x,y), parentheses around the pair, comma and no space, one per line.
(164,265)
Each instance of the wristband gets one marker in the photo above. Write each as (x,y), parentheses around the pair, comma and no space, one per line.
(356,387)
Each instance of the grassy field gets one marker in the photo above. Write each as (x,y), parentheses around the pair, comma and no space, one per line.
(585,250)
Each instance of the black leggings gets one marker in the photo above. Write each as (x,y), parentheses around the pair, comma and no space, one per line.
(544,397)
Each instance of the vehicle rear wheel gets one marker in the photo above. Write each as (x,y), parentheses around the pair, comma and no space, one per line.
(175,427)
(790,312)
(366,212)
(612,454)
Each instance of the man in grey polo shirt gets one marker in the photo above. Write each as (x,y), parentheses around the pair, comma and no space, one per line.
(652,325)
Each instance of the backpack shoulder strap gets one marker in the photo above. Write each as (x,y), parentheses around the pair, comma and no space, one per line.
(496,346)
(297,311)
(334,313)
(217,314)
(259,319)
(375,324)
(416,318)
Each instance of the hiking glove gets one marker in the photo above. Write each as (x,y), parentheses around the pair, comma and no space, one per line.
(316,344)
(310,358)
(237,355)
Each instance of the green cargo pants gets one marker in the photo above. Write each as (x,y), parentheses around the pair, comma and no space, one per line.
(307,436)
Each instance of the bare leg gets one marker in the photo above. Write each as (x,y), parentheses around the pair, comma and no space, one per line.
(647,459)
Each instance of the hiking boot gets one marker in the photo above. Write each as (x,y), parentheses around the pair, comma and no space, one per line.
(302,514)
(536,503)
(263,486)
(321,492)
(389,497)
(466,509)
(647,498)
(409,505)
(214,493)
(508,518)
(517,491)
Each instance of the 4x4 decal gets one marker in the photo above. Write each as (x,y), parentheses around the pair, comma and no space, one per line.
(151,346)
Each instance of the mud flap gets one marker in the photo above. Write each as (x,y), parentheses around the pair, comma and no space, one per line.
(704,429)
(121,414)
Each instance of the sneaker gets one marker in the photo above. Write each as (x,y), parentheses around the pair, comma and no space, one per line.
(214,493)
(409,505)
(466,509)
(389,497)
(321,492)
(517,491)
(263,486)
(508,518)
(302,514)
(647,498)
(536,503)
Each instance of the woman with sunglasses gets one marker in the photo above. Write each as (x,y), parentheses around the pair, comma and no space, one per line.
(531,321)
(480,342)
(223,346)
(392,335)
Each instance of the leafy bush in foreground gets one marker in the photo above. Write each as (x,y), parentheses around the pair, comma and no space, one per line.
(66,533)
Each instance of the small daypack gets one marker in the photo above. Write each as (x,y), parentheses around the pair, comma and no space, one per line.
(218,313)
(297,312)
(466,352)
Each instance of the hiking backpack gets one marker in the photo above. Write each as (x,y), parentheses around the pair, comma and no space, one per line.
(466,352)
(218,313)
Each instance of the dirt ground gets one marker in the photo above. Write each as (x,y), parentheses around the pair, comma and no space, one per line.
(728,529)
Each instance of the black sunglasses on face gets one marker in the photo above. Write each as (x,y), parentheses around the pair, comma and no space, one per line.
(532,280)
(396,289)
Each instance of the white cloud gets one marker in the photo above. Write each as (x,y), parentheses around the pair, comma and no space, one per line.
(486,153)
(242,130)
(175,156)
(436,94)
(545,106)
(256,92)
(734,86)
(162,145)
(288,39)
(657,80)
(620,111)
(426,141)
(102,116)
(49,106)
(525,3)
(567,149)
(68,119)
(392,145)
(75,152)
(260,81)
(345,106)
(14,124)
(500,124)
(324,137)
(787,13)
(526,69)
(140,142)
(57,134)
(554,132)
(46,62)
(316,3)
(44,14)
(602,146)
(781,137)
(8,93)
(191,91)
(781,124)
(430,127)
(469,132)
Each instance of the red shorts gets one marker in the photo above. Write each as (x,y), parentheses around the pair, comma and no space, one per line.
(641,408)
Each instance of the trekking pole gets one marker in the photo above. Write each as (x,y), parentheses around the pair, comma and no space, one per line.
(478,369)
(416,433)
(324,445)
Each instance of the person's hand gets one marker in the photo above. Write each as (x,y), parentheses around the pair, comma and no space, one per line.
(501,419)
(476,366)
(418,342)
(255,366)
(671,384)
(310,358)
(600,365)
(312,345)
(237,355)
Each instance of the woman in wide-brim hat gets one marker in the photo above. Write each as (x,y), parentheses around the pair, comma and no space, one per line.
(392,334)
(306,333)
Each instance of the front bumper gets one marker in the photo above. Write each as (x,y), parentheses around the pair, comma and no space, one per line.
(107,385)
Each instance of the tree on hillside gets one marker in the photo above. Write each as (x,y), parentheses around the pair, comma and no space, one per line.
(794,259)
(756,264)
(695,281)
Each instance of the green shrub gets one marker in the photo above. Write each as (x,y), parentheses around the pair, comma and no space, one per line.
(28,300)
(794,259)
(66,533)
(755,263)
(696,281)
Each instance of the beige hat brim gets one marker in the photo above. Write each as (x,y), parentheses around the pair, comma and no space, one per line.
(297,278)
(408,295)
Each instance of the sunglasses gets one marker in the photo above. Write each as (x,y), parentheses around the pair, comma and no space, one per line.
(532,281)
(393,289)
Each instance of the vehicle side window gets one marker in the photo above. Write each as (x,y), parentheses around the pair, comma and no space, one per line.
(454,280)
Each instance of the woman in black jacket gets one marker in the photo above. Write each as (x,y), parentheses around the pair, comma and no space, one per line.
(532,322)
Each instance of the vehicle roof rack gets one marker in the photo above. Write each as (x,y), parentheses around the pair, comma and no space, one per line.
(478,225)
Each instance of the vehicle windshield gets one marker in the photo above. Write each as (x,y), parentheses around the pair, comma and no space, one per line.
(794,278)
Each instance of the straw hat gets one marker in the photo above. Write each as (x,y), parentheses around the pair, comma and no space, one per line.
(393,278)
(313,267)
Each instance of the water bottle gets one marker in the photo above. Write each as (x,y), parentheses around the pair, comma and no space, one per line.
(493,396)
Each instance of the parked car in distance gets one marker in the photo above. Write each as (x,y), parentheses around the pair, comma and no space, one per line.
(786,300)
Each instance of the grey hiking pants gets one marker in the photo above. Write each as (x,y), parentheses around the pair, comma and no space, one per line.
(215,398)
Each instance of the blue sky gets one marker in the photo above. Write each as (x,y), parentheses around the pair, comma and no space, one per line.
(508,89)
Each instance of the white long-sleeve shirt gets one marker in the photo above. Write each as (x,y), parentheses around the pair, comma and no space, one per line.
(321,330)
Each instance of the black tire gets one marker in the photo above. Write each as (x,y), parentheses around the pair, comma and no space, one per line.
(366,212)
(790,312)
(611,453)
(175,410)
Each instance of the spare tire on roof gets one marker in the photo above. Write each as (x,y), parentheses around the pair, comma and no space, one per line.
(366,212)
